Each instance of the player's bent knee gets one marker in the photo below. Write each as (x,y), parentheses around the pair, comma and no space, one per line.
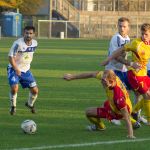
(34,90)
(14,89)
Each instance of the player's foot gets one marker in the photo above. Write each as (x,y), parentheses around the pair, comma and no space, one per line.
(142,119)
(12,110)
(148,123)
(116,122)
(135,116)
(136,125)
(94,128)
(30,107)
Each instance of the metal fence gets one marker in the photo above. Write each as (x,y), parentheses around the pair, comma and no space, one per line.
(112,5)
(106,26)
(90,27)
(100,27)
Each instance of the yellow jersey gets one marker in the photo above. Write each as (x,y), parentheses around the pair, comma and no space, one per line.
(140,53)
(117,96)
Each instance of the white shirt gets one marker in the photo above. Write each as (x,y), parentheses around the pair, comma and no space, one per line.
(22,53)
(148,65)
(116,42)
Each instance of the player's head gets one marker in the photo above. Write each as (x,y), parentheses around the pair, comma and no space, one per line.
(145,32)
(123,26)
(109,78)
(29,32)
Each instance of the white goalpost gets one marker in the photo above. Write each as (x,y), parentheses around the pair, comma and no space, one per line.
(58,29)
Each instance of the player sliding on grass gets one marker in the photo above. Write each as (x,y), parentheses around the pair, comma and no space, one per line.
(20,57)
(117,106)
(137,71)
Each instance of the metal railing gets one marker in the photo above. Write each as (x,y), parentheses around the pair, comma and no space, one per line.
(66,9)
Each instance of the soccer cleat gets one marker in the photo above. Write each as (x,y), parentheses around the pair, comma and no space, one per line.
(12,110)
(94,128)
(142,119)
(148,123)
(116,122)
(30,107)
(135,116)
(136,125)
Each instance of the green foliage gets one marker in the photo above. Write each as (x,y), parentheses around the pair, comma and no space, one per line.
(30,7)
(25,6)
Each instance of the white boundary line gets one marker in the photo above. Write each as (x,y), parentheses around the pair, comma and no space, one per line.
(84,144)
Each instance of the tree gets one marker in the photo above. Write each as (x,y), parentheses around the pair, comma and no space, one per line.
(27,7)
(4,3)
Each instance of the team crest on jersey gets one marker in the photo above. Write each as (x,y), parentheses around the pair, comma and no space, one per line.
(30,49)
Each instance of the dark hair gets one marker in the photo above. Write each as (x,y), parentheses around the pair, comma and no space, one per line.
(145,27)
(122,19)
(29,28)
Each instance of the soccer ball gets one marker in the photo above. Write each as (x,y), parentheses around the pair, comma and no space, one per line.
(29,126)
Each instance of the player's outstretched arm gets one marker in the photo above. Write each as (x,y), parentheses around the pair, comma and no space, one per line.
(126,117)
(69,77)
(114,55)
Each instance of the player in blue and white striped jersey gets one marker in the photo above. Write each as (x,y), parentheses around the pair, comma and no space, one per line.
(20,58)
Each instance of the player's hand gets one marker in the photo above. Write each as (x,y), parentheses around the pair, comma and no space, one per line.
(68,77)
(18,72)
(104,63)
(131,137)
(135,65)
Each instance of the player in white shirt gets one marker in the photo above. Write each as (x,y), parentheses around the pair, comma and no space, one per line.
(117,41)
(20,58)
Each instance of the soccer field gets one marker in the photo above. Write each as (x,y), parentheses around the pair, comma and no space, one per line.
(61,104)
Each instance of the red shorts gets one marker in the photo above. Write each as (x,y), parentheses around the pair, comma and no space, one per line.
(106,112)
(140,84)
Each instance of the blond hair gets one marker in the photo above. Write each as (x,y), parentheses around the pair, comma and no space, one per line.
(110,75)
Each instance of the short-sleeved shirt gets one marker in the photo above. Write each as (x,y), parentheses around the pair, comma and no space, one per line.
(140,53)
(23,54)
(116,42)
(117,96)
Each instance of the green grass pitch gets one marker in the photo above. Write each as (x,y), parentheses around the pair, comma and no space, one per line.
(61,104)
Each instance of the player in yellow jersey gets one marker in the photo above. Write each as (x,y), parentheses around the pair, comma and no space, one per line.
(117,106)
(137,71)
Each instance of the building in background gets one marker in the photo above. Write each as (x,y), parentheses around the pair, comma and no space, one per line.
(86,18)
